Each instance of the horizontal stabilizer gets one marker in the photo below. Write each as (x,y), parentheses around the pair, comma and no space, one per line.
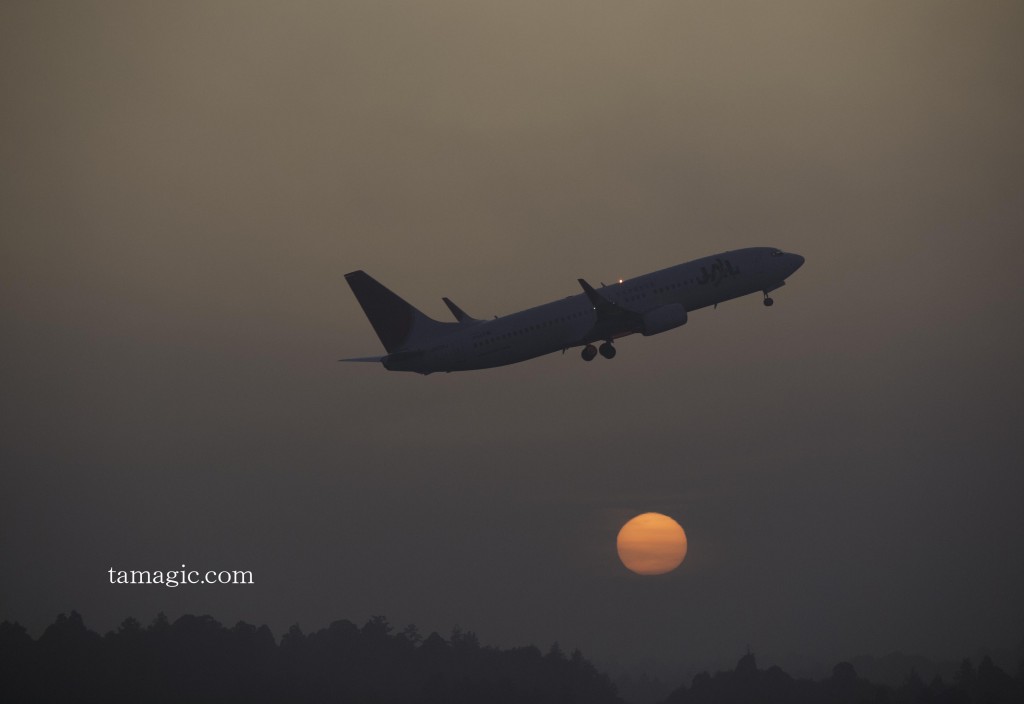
(364,359)
(459,314)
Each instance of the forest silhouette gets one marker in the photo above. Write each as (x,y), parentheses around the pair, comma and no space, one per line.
(197,659)
(987,684)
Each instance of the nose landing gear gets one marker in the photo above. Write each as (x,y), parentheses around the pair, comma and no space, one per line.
(768,300)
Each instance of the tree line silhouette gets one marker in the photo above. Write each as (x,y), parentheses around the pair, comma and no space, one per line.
(196,659)
(987,684)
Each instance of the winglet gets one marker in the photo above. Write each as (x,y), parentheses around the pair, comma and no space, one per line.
(459,314)
(602,305)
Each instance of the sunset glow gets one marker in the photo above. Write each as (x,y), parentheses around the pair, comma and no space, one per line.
(651,543)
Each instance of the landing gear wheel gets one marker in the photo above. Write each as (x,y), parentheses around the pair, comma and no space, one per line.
(768,301)
(588,353)
(607,350)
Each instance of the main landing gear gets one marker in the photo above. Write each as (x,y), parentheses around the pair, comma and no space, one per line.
(607,351)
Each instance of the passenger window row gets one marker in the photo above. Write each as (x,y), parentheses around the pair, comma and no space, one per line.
(529,328)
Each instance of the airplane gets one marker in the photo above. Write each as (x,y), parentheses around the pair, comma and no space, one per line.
(648,305)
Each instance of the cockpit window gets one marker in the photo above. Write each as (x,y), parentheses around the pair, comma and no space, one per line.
(777,253)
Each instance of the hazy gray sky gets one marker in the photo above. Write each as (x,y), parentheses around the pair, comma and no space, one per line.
(184,185)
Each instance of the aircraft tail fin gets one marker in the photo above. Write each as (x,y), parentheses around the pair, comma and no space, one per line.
(397,323)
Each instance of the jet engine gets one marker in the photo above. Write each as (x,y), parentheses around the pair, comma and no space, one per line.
(664,318)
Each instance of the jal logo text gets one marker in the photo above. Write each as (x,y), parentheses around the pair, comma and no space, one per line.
(720,270)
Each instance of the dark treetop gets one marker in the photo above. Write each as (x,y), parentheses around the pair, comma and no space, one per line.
(196,659)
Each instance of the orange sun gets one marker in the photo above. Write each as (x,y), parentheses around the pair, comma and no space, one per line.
(651,543)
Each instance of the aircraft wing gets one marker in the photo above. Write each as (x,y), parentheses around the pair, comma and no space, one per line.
(612,319)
